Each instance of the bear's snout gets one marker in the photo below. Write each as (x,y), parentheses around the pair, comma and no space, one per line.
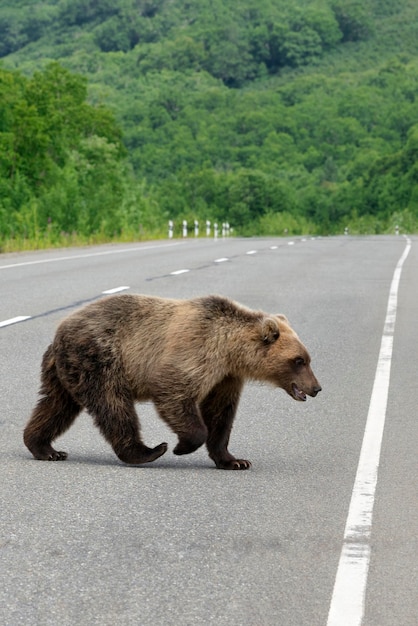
(299,393)
(316,389)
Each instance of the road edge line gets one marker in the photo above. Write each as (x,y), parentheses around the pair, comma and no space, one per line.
(348,598)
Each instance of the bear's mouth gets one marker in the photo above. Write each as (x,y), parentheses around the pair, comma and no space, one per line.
(298,394)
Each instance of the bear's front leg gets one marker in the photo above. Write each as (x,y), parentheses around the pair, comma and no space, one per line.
(218,411)
(183,417)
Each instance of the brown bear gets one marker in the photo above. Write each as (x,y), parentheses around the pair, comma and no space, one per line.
(190,357)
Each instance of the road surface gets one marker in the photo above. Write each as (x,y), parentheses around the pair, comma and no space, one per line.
(92,541)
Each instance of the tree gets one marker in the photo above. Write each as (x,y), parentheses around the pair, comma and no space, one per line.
(62,161)
(353,19)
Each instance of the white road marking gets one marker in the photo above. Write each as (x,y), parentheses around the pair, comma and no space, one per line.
(115,290)
(252,252)
(273,247)
(15,320)
(290,243)
(90,255)
(221,260)
(348,598)
(178,272)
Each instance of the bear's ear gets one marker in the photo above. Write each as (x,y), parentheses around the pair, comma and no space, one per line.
(270,330)
(283,318)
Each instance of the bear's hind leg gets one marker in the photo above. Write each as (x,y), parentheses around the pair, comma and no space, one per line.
(118,423)
(50,419)
(218,411)
(138,453)
(53,415)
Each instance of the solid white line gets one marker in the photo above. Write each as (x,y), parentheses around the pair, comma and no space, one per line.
(222,260)
(179,272)
(90,255)
(348,598)
(115,290)
(15,320)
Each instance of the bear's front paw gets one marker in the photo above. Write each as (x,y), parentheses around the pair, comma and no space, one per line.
(234,464)
(57,455)
(192,441)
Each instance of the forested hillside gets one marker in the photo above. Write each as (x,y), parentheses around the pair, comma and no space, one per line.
(117,115)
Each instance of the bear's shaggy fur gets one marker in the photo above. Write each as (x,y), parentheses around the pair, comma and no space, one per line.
(190,357)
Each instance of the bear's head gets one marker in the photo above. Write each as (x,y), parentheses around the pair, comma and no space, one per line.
(287,363)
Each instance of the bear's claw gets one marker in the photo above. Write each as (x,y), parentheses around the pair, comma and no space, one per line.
(234,464)
(57,455)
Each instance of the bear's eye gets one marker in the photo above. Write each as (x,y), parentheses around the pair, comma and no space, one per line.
(299,361)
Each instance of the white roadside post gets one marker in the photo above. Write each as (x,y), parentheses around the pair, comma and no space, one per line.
(196,228)
(215,230)
(170,229)
(207,228)
(184,228)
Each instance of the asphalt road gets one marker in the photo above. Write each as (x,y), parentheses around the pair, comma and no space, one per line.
(92,541)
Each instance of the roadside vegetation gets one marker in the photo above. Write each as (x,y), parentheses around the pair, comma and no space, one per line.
(117,116)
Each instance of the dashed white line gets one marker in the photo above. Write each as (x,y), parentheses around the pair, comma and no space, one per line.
(21,318)
(290,243)
(15,320)
(348,598)
(176,272)
(115,290)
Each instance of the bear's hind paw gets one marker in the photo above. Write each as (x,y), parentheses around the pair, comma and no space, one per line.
(138,453)
(46,452)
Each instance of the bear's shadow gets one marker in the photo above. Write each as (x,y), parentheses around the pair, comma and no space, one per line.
(172,464)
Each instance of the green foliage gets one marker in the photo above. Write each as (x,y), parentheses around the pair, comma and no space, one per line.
(274,116)
(62,164)
(353,19)
(285,223)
